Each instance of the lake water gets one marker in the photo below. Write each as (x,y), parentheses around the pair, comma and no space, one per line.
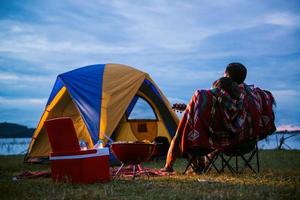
(15,146)
(291,141)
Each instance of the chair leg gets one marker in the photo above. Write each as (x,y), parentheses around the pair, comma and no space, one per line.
(225,161)
(226,164)
(192,159)
(211,163)
(188,165)
(257,158)
(236,164)
(247,161)
(196,165)
(222,161)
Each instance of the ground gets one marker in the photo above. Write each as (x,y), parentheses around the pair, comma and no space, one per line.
(279,178)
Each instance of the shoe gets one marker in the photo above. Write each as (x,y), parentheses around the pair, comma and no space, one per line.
(167,169)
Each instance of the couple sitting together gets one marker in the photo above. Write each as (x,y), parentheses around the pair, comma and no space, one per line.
(229,114)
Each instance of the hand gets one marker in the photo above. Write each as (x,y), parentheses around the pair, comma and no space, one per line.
(179,107)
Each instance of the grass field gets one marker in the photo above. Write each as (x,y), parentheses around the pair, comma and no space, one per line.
(279,179)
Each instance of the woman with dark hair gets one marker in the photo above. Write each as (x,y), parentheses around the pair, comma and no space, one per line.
(228,85)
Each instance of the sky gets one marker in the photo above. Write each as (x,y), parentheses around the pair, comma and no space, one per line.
(183,45)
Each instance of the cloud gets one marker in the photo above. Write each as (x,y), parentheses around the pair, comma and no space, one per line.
(24,85)
(20,102)
(288,127)
(282,19)
(183,45)
(16,29)
(8,77)
(287,97)
(133,28)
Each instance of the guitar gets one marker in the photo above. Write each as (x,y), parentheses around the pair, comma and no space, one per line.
(179,107)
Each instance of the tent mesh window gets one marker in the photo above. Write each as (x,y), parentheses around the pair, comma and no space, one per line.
(141,110)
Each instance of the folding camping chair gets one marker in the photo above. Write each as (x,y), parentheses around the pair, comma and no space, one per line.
(194,162)
(247,152)
(68,162)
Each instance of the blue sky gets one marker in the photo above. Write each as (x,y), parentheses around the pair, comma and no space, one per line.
(183,45)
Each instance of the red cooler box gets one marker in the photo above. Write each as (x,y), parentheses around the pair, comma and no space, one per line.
(81,167)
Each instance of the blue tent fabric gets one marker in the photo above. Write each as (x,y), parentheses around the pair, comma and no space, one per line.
(153,88)
(131,105)
(85,87)
(56,88)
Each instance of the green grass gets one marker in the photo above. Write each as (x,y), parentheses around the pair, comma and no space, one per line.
(279,179)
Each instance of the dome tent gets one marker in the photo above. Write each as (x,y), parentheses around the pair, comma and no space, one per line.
(99,99)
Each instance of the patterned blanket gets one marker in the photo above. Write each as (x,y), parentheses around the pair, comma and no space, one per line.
(214,120)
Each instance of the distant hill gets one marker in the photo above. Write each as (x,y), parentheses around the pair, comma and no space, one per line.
(286,131)
(11,130)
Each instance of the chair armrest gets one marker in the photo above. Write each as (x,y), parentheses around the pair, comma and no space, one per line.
(79,154)
(70,153)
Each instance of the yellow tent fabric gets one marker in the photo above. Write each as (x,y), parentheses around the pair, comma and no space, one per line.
(120,84)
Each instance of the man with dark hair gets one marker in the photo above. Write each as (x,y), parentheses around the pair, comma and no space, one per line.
(236,71)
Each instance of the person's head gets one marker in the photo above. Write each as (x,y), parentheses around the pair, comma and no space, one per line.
(224,83)
(237,72)
(228,85)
